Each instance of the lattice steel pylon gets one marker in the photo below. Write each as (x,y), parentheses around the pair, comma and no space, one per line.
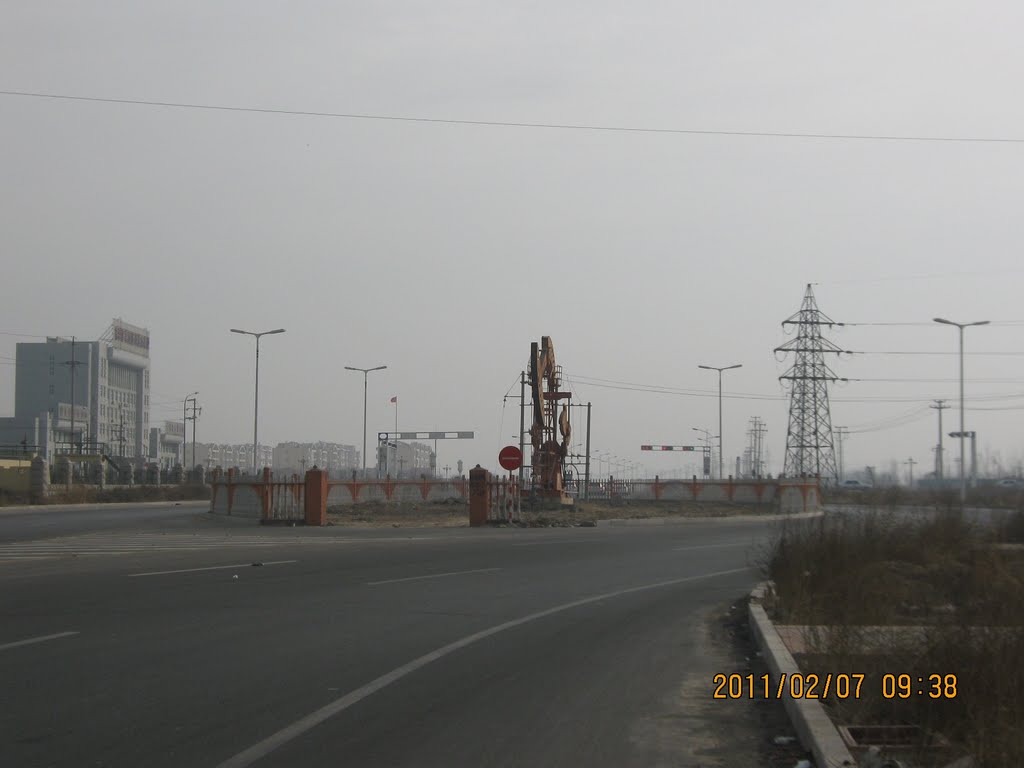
(810,449)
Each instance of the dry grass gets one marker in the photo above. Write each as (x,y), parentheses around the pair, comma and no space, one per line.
(951,579)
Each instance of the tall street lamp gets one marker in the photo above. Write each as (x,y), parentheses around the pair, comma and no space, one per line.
(256,410)
(365,372)
(721,440)
(961,326)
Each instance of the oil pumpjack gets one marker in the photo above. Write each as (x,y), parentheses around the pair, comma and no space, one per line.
(548,456)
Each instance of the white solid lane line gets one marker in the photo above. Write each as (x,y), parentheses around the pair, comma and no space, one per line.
(711,546)
(430,576)
(249,756)
(210,568)
(32,640)
(562,541)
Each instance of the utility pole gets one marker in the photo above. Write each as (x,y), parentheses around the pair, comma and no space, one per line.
(910,463)
(522,425)
(72,364)
(842,433)
(761,430)
(756,447)
(939,461)
(586,487)
(196,411)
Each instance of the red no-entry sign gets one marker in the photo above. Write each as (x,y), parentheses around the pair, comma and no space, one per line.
(510,457)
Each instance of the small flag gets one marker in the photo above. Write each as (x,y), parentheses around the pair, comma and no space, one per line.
(394,399)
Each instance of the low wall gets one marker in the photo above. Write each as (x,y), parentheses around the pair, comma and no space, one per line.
(264,498)
(259,498)
(796,495)
(357,491)
(16,479)
(268,499)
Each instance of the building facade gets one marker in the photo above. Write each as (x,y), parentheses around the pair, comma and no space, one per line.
(411,459)
(165,444)
(84,397)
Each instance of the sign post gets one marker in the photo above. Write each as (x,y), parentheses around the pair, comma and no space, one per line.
(511,458)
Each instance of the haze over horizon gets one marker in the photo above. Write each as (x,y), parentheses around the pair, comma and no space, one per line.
(443,249)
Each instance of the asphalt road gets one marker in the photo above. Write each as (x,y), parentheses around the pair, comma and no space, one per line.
(136,644)
(27,523)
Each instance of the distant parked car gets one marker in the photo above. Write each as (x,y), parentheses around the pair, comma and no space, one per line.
(1010,482)
(854,485)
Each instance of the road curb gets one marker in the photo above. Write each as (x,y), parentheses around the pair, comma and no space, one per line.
(813,726)
(104,505)
(711,519)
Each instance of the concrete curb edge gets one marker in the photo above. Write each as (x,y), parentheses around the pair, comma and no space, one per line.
(773,517)
(813,726)
(103,505)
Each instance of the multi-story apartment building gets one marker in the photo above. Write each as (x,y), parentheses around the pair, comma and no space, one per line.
(298,457)
(227,456)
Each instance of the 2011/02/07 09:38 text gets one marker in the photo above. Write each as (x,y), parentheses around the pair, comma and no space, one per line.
(840,686)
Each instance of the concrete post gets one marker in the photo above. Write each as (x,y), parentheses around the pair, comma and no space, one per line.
(40,478)
(479,496)
(315,497)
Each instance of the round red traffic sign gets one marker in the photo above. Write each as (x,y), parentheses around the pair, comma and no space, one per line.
(510,457)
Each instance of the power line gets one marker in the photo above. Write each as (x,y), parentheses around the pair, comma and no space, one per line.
(909,352)
(521,124)
(931,324)
(679,392)
(23,335)
(927,276)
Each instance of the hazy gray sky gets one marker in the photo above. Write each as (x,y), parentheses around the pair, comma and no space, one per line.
(444,250)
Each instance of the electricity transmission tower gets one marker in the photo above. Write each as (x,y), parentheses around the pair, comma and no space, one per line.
(809,444)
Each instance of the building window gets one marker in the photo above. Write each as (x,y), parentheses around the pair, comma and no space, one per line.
(51,389)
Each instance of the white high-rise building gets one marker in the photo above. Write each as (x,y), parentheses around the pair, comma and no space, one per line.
(84,396)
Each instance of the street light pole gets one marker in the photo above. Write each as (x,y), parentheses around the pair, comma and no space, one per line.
(256,407)
(721,438)
(961,326)
(365,372)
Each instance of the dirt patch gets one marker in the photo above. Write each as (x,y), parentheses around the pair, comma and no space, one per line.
(455,513)
(695,729)
(378,514)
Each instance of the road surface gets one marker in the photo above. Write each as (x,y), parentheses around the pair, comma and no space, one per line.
(152,639)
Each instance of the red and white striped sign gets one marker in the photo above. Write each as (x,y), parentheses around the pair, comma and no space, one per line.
(668,448)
